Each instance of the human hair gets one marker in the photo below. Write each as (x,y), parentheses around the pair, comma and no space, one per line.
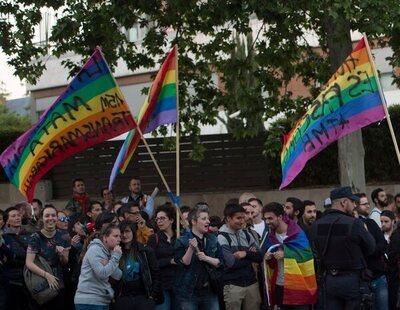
(47,206)
(308,203)
(168,209)
(8,211)
(215,221)
(39,202)
(297,205)
(104,218)
(396,196)
(233,208)
(375,193)
(388,214)
(257,200)
(92,203)
(133,247)
(106,230)
(361,195)
(126,207)
(72,221)
(103,189)
(194,213)
(274,207)
(390,198)
(244,204)
(185,209)
(232,201)
(77,180)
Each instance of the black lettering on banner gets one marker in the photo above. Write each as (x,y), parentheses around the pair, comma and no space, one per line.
(361,85)
(55,146)
(308,144)
(77,101)
(318,133)
(110,101)
(96,70)
(33,144)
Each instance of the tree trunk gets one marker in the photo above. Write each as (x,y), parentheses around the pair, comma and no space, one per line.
(350,148)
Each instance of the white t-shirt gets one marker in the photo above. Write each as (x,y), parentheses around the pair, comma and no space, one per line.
(259,228)
(376,216)
(279,278)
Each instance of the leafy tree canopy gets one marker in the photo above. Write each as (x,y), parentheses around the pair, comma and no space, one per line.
(255,62)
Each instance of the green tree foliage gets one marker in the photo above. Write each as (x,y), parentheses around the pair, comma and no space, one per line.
(10,122)
(207,32)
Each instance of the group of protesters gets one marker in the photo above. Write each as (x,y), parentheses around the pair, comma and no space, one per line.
(129,254)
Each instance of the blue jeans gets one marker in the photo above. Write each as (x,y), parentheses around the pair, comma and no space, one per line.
(169,301)
(207,301)
(91,307)
(379,287)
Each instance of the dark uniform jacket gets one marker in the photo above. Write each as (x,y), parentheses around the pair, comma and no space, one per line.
(341,242)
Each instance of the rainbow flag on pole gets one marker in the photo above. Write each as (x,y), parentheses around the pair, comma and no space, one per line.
(350,100)
(158,109)
(91,110)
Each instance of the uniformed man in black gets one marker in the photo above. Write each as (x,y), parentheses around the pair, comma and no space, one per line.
(340,244)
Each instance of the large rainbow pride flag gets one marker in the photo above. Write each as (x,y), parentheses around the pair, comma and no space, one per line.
(91,110)
(350,100)
(300,284)
(158,109)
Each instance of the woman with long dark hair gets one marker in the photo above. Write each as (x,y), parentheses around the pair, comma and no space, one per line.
(99,264)
(53,245)
(163,243)
(141,286)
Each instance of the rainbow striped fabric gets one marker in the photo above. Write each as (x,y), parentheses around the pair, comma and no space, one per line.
(350,100)
(300,285)
(158,109)
(91,110)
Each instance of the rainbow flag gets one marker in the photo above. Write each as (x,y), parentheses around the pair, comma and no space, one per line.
(350,100)
(158,109)
(91,110)
(300,284)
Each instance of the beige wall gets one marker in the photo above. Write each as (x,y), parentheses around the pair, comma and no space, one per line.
(216,200)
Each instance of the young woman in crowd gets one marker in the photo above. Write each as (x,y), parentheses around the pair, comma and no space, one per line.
(195,252)
(62,222)
(163,243)
(14,251)
(52,245)
(140,287)
(99,264)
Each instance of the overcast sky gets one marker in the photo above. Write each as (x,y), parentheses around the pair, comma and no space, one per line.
(12,83)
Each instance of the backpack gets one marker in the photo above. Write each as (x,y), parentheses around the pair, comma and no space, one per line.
(228,238)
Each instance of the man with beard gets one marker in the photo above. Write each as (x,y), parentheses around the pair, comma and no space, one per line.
(294,208)
(146,202)
(80,200)
(248,219)
(341,244)
(258,222)
(291,277)
(27,220)
(379,198)
(388,223)
(310,215)
(375,261)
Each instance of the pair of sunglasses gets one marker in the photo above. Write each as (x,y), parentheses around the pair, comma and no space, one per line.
(64,219)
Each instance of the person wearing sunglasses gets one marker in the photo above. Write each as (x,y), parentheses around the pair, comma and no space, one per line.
(163,243)
(62,222)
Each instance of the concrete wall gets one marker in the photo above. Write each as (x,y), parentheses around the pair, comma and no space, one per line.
(216,200)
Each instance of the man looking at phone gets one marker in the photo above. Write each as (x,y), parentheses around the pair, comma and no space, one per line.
(287,250)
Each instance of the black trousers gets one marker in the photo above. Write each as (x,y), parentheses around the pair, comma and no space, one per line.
(343,291)
(133,303)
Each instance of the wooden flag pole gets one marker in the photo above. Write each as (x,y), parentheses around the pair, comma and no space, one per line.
(396,147)
(177,131)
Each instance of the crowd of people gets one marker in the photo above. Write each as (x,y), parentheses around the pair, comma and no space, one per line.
(129,254)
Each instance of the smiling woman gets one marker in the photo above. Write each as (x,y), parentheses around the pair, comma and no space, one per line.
(52,245)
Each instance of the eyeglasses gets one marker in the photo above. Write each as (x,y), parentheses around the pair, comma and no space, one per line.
(64,219)
(161,218)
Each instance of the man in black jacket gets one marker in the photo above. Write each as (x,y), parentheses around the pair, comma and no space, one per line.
(375,261)
(341,244)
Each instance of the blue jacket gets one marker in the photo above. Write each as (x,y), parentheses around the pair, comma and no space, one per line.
(186,275)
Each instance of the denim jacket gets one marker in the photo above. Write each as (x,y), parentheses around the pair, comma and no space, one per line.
(186,275)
